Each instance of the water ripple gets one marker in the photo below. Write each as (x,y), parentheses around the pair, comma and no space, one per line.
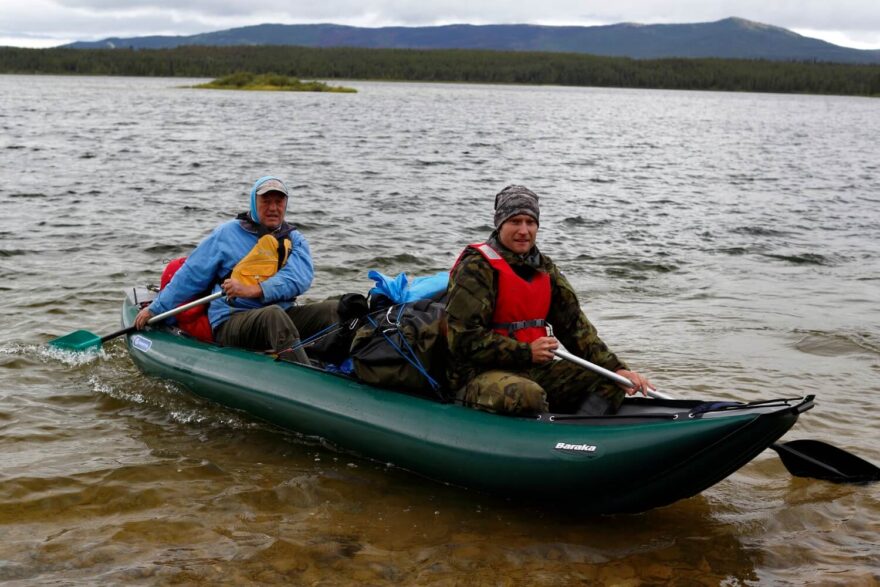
(722,243)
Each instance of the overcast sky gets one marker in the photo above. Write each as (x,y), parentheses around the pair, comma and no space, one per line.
(45,23)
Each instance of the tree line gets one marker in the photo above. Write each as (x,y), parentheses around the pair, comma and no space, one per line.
(566,69)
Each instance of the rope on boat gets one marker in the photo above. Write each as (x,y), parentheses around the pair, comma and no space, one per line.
(336,326)
(409,354)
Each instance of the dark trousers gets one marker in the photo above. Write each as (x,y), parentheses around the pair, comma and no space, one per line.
(273,329)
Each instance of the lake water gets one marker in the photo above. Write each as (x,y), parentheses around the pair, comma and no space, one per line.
(724,244)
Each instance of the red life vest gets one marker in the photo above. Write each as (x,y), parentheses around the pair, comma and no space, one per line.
(521,306)
(195,320)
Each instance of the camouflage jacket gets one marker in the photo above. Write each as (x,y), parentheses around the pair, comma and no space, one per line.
(474,347)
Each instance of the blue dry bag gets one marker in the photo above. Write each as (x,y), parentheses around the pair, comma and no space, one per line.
(400,290)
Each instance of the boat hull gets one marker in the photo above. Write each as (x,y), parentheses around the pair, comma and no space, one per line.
(603,465)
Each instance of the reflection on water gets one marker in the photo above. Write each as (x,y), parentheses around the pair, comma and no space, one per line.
(723,243)
(224,500)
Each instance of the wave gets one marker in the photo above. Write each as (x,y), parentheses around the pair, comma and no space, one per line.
(166,249)
(581,221)
(198,209)
(635,269)
(23,354)
(340,271)
(835,344)
(13,252)
(426,163)
(735,251)
(801,259)
(27,195)
(396,261)
(759,231)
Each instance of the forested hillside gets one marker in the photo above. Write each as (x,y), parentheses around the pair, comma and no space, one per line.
(454,66)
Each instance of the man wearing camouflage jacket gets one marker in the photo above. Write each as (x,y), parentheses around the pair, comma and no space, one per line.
(508,365)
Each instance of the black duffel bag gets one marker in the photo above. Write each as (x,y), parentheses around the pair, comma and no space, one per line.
(334,346)
(404,348)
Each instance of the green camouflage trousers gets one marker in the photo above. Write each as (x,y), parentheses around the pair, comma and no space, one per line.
(556,386)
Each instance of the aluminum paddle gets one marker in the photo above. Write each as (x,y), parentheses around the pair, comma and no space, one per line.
(83,340)
(803,458)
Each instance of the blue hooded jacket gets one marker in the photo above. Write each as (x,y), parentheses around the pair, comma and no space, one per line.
(215,257)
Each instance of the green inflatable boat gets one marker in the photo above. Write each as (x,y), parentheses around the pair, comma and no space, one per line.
(652,453)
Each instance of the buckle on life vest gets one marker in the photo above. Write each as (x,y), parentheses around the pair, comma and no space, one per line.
(512,327)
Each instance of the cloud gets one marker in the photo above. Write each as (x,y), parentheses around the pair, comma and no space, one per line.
(858,20)
(854,39)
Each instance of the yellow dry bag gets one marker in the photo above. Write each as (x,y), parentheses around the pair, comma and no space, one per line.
(263,261)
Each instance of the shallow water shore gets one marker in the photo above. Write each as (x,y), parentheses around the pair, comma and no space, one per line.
(725,244)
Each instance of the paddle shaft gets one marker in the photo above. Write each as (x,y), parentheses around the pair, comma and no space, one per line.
(164,315)
(605,372)
(825,462)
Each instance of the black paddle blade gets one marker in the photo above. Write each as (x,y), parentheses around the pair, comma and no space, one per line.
(819,460)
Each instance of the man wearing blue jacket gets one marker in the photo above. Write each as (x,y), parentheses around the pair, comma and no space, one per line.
(262,264)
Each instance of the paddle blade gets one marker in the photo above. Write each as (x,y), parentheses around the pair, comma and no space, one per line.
(80,340)
(819,460)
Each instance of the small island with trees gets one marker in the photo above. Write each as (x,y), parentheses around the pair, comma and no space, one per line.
(271,82)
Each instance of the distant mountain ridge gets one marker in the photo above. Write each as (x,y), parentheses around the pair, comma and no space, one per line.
(730,38)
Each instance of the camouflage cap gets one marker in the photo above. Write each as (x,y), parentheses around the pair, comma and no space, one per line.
(514,200)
